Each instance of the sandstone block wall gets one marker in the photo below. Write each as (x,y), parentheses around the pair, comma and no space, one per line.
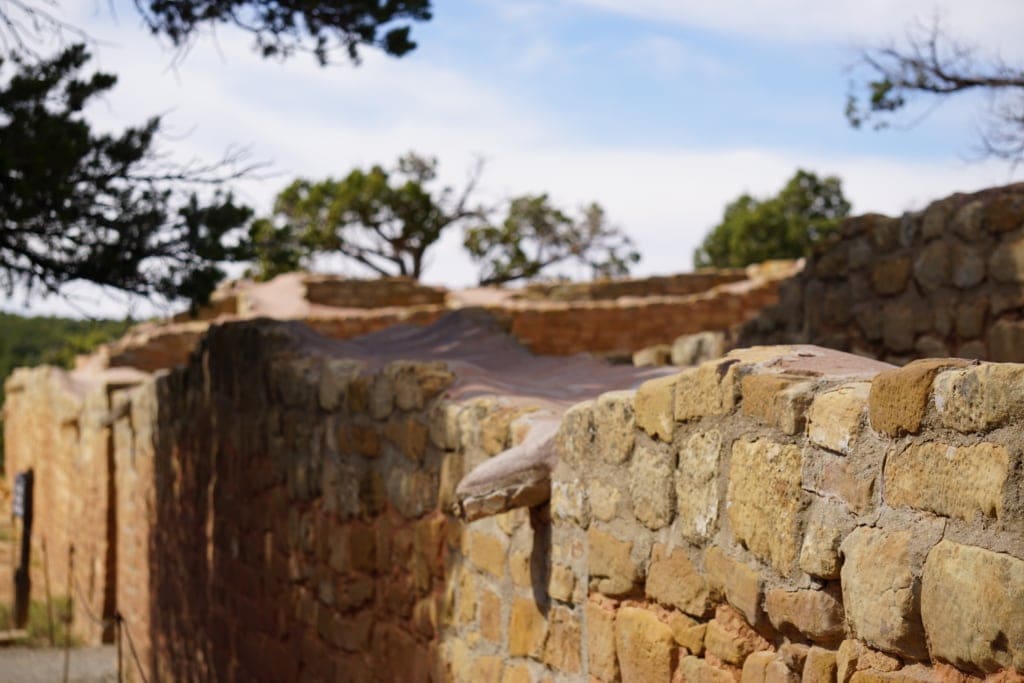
(945,281)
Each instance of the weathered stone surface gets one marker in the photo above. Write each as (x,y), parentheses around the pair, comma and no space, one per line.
(644,646)
(778,672)
(777,400)
(955,481)
(527,629)
(382,396)
(815,615)
(980,398)
(575,437)
(820,666)
(881,590)
(487,552)
(834,419)
(973,349)
(562,651)
(659,354)
(826,527)
(696,480)
(967,221)
(604,500)
(968,266)
(519,673)
(569,501)
(418,382)
(701,671)
(899,398)
(1006,341)
(614,424)
(930,346)
(1005,213)
(673,580)
(706,390)
(730,638)
(932,266)
(1007,262)
(755,667)
(735,581)
(765,500)
(890,275)
(612,571)
(971,605)
(898,326)
(651,485)
(600,620)
(489,612)
(688,632)
(561,583)
(692,349)
(653,405)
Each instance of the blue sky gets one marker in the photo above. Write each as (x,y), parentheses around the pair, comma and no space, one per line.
(661,110)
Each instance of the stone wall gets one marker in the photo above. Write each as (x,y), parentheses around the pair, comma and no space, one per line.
(682,284)
(945,281)
(383,293)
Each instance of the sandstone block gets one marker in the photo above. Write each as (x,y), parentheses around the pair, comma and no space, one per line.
(487,552)
(688,632)
(600,619)
(604,500)
(949,480)
(644,646)
(673,580)
(417,382)
(968,267)
(967,221)
(561,583)
(932,266)
(575,438)
(1006,341)
(696,480)
(409,436)
(880,590)
(653,406)
(777,400)
(731,639)
(971,605)
(834,419)
(815,615)
(486,668)
(735,581)
(897,326)
(755,667)
(612,570)
(980,398)
(563,648)
(765,499)
(701,671)
(489,606)
(889,276)
(569,501)
(778,672)
(820,666)
(519,673)
(659,354)
(1005,213)
(651,485)
(899,398)
(381,397)
(614,423)
(527,629)
(707,390)
(1007,262)
(692,349)
(819,554)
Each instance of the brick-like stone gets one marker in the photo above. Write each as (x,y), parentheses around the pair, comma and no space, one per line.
(381,396)
(835,417)
(777,400)
(820,666)
(600,620)
(1006,341)
(756,666)
(614,426)
(561,583)
(673,580)
(778,672)
(968,266)
(954,481)
(881,588)
(735,581)
(899,398)
(701,671)
(519,673)
(932,266)
(487,668)
(730,638)
(651,485)
(653,406)
(688,632)
(980,398)
(575,438)
(605,500)
(409,436)
(644,646)
(1007,262)
(696,480)
(417,382)
(897,325)
(971,605)
(819,554)
(815,615)
(889,276)
(765,499)
(527,629)
(562,651)
(707,390)
(612,570)
(487,552)
(489,607)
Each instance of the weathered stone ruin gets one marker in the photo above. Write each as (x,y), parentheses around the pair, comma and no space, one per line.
(313,498)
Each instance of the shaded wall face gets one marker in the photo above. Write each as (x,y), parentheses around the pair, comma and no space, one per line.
(946,281)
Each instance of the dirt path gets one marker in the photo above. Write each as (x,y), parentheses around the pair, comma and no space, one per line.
(46,665)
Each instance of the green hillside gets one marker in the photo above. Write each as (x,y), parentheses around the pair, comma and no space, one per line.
(53,341)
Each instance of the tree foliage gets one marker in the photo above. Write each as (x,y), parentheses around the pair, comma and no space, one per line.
(279,27)
(932,64)
(383,219)
(106,208)
(536,235)
(785,226)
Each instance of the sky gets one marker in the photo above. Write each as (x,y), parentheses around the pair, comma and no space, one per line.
(662,111)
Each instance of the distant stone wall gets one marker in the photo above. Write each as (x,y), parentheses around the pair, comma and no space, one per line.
(946,281)
(682,284)
(383,293)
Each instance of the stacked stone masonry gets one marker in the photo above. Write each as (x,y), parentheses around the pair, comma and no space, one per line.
(781,514)
(945,281)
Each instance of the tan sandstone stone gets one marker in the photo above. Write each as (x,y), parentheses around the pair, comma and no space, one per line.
(735,581)
(777,400)
(487,552)
(755,667)
(820,666)
(600,620)
(688,632)
(604,500)
(614,424)
(561,583)
(880,590)
(765,500)
(707,390)
(653,406)
(562,651)
(730,638)
(651,485)
(972,605)
(695,670)
(612,571)
(889,276)
(527,629)
(980,398)
(815,615)
(778,672)
(644,645)
(696,479)
(1007,262)
(899,398)
(955,481)
(673,580)
(519,673)
(834,419)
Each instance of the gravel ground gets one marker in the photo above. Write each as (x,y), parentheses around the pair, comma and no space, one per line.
(46,665)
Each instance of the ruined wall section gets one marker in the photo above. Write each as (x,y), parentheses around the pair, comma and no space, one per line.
(796,514)
(945,281)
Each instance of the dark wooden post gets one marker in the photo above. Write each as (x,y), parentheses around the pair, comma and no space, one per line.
(22,582)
